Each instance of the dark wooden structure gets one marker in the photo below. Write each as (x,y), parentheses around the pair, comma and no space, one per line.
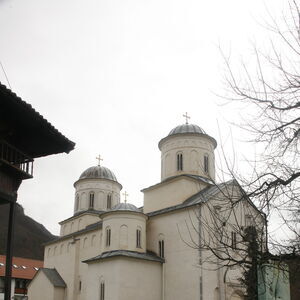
(24,135)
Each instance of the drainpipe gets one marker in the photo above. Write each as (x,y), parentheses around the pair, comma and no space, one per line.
(200,254)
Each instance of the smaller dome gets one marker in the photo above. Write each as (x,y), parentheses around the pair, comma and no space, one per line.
(125,207)
(187,128)
(98,172)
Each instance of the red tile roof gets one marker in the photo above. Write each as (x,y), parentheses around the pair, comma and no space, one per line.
(21,267)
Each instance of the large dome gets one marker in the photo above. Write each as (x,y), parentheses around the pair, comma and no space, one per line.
(98,172)
(186,128)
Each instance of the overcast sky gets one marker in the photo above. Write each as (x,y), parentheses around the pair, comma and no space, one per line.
(115,76)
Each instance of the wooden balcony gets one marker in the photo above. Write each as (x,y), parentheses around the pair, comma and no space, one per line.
(13,161)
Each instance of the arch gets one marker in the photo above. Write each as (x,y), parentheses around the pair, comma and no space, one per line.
(85,242)
(93,240)
(72,227)
(102,289)
(77,202)
(194,160)
(167,164)
(79,224)
(49,251)
(123,236)
(54,250)
(82,200)
(91,200)
(216,293)
(68,247)
(62,248)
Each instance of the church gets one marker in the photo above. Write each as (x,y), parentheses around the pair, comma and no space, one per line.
(108,250)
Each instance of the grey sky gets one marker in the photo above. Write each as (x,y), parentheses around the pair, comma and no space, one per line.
(115,76)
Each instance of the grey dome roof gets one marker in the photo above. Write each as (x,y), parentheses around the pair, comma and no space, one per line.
(186,128)
(98,172)
(125,207)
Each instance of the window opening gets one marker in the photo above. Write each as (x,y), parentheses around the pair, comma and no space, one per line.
(206,163)
(179,162)
(102,291)
(108,201)
(233,240)
(77,203)
(92,197)
(161,246)
(138,238)
(108,237)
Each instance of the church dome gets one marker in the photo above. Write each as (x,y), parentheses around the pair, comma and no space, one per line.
(98,172)
(125,207)
(187,128)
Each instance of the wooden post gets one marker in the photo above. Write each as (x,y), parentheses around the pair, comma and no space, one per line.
(9,251)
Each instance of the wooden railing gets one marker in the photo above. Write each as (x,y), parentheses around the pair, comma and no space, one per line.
(15,158)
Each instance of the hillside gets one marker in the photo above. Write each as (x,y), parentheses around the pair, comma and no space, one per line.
(29,234)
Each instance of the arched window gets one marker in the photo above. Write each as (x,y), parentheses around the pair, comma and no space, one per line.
(161,248)
(108,236)
(102,290)
(138,238)
(206,163)
(91,199)
(179,162)
(108,205)
(77,202)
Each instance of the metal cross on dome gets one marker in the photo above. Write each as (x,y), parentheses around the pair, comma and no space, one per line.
(125,196)
(186,116)
(99,159)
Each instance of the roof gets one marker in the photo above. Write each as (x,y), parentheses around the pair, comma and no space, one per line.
(91,227)
(79,213)
(54,277)
(26,129)
(200,197)
(191,129)
(125,253)
(125,207)
(98,172)
(21,267)
(186,128)
(195,177)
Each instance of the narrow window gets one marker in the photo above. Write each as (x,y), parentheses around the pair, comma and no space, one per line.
(179,162)
(79,285)
(102,291)
(138,238)
(108,201)
(233,240)
(92,197)
(108,237)
(161,246)
(206,163)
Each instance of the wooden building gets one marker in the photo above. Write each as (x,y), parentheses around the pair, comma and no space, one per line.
(24,136)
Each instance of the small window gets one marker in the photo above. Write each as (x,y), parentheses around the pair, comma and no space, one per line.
(179,162)
(108,237)
(80,285)
(206,163)
(108,201)
(161,248)
(233,240)
(92,197)
(138,238)
(102,291)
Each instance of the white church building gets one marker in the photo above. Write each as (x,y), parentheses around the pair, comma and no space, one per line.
(109,250)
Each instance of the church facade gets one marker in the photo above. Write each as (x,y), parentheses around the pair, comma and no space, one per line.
(109,250)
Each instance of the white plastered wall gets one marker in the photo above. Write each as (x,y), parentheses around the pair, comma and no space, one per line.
(125,279)
(193,148)
(101,188)
(171,193)
(123,226)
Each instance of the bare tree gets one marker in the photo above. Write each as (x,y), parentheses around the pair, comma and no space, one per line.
(272,93)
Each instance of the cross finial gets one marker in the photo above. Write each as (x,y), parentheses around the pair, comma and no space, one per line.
(99,159)
(186,116)
(125,196)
